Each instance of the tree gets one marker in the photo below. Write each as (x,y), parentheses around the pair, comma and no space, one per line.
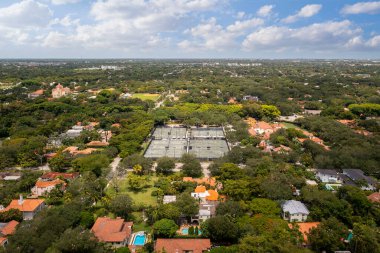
(165,165)
(231,208)
(130,161)
(365,239)
(86,219)
(191,230)
(270,111)
(216,229)
(60,162)
(191,166)
(11,214)
(95,163)
(76,241)
(169,211)
(230,171)
(187,204)
(238,189)
(264,206)
(123,250)
(121,205)
(196,230)
(328,236)
(165,228)
(136,182)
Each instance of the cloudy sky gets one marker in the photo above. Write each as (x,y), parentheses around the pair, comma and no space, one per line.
(189,29)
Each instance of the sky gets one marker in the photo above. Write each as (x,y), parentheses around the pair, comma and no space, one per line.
(254,29)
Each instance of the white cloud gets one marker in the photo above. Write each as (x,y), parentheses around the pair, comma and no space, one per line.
(210,35)
(320,36)
(61,2)
(19,22)
(265,11)
(305,12)
(362,7)
(25,14)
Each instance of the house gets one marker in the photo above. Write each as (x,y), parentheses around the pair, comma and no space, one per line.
(35,94)
(5,230)
(169,199)
(60,91)
(182,245)
(203,195)
(44,187)
(206,180)
(116,232)
(28,207)
(328,176)
(251,98)
(294,211)
(364,182)
(312,112)
(305,228)
(374,197)
(207,210)
(50,176)
(97,144)
(74,151)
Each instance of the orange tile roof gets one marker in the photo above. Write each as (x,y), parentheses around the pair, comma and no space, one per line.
(86,151)
(263,125)
(214,196)
(54,175)
(44,184)
(200,188)
(10,228)
(37,92)
(305,228)
(112,230)
(116,125)
(2,240)
(28,205)
(205,180)
(374,197)
(97,144)
(70,149)
(182,245)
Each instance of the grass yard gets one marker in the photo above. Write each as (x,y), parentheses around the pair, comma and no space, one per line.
(142,197)
(289,125)
(146,96)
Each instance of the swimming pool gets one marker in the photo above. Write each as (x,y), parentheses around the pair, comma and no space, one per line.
(139,240)
(185,231)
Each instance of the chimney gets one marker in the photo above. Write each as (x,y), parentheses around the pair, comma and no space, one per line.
(21,200)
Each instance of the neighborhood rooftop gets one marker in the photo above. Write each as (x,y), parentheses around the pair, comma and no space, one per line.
(293,207)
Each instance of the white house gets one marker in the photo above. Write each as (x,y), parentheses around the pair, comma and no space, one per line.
(328,176)
(294,211)
(28,207)
(44,187)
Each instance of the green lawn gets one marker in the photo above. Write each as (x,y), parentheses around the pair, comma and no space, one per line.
(142,197)
(146,96)
(289,125)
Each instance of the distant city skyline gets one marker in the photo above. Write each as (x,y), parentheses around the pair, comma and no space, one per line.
(278,29)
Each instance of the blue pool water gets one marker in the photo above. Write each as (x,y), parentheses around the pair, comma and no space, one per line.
(139,240)
(185,231)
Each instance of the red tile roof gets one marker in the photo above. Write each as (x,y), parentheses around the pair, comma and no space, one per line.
(45,184)
(181,245)
(54,175)
(374,197)
(28,205)
(97,144)
(206,180)
(10,228)
(305,228)
(200,188)
(112,230)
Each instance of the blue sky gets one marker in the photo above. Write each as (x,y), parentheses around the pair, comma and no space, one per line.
(189,29)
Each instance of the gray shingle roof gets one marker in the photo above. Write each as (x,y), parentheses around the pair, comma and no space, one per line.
(294,207)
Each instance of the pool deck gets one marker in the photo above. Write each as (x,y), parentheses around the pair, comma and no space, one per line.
(133,237)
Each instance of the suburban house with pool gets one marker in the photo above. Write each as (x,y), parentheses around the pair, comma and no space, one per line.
(116,232)
(294,211)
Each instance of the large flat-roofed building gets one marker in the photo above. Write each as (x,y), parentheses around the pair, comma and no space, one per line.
(163,133)
(208,149)
(207,133)
(174,148)
(205,142)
